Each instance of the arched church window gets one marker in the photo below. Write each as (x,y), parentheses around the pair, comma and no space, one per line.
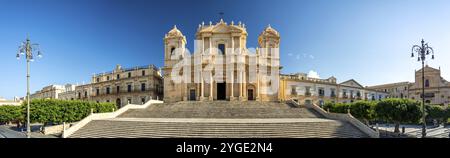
(172,50)
(427,83)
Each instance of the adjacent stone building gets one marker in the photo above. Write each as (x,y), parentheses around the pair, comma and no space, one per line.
(437,89)
(48,92)
(308,90)
(123,86)
(69,93)
(16,101)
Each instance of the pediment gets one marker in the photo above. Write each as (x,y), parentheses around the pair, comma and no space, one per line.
(221,28)
(352,83)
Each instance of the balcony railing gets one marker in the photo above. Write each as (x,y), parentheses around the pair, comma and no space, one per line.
(124,91)
(308,94)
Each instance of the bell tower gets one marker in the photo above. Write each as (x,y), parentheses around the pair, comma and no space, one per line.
(174,48)
(269,68)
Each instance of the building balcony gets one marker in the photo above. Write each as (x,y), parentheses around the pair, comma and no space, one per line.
(125,92)
(308,94)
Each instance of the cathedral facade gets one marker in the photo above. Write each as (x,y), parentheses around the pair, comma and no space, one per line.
(221,66)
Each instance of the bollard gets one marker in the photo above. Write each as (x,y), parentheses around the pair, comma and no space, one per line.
(64,129)
(328,110)
(157,97)
(114,109)
(348,110)
(92,111)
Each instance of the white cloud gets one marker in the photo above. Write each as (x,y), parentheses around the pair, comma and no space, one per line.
(290,54)
(311,56)
(313,74)
(297,57)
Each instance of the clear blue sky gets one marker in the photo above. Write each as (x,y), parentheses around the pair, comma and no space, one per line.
(365,40)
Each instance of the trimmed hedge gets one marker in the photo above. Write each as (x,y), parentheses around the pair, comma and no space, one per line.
(337,107)
(10,113)
(437,112)
(51,111)
(59,111)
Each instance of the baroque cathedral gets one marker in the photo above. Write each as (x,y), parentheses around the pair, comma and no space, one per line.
(221,67)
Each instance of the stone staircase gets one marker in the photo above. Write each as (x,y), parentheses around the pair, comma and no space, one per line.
(216,128)
(219,119)
(222,109)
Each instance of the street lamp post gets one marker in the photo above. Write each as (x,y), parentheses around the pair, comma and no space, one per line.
(422,51)
(27,48)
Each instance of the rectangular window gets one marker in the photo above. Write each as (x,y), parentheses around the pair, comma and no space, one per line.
(98,79)
(107,90)
(307,92)
(143,87)
(118,76)
(97,92)
(118,89)
(107,78)
(143,72)
(221,49)
(321,92)
(129,74)
(85,94)
(129,88)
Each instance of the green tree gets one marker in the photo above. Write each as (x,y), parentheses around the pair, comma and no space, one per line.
(398,111)
(10,113)
(51,111)
(363,110)
(437,112)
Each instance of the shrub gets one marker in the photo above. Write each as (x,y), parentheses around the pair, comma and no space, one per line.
(437,112)
(363,110)
(50,111)
(10,113)
(336,107)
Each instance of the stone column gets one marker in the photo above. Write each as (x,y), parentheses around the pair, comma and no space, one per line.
(210,45)
(257,87)
(244,87)
(211,96)
(185,97)
(232,86)
(202,87)
(240,85)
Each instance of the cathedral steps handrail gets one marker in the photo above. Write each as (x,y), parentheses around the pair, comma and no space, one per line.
(343,117)
(98,116)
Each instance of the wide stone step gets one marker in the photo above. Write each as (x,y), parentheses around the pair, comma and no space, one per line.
(222,109)
(137,129)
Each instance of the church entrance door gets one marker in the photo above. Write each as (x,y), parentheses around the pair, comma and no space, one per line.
(221,91)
